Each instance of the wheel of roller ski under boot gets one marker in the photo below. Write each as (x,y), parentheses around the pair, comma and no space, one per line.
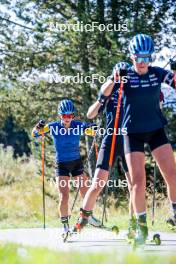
(133,244)
(130,238)
(157,239)
(115,229)
(136,246)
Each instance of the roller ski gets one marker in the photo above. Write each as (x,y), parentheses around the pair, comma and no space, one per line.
(113,229)
(97,223)
(141,238)
(66,233)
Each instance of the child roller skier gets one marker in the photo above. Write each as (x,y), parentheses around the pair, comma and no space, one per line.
(66,134)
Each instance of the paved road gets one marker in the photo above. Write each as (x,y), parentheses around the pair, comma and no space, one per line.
(91,239)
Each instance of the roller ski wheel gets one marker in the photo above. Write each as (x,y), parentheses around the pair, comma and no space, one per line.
(115,229)
(156,239)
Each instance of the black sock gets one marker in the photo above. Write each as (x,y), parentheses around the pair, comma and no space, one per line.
(85,212)
(64,220)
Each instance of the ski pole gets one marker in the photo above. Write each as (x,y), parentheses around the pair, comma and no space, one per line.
(43,175)
(96,149)
(169,61)
(116,124)
(94,140)
(93,145)
(76,196)
(154,191)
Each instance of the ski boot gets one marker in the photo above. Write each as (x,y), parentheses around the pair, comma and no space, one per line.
(82,221)
(141,235)
(132,228)
(94,221)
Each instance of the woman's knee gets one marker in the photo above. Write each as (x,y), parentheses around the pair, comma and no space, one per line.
(138,181)
(99,180)
(98,186)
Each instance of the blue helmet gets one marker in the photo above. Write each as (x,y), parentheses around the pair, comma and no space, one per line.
(122,66)
(141,44)
(66,107)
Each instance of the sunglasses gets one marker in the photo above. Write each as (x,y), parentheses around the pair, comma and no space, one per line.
(67,116)
(144,59)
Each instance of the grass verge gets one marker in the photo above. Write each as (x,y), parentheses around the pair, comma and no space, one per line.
(16,254)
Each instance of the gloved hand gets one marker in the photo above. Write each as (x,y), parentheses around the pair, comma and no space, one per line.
(40,124)
(120,70)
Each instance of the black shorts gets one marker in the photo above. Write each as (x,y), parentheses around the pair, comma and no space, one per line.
(73,168)
(104,153)
(135,141)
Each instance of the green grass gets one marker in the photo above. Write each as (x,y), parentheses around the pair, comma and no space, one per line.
(17,254)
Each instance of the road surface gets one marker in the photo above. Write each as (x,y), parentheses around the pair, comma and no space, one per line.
(90,240)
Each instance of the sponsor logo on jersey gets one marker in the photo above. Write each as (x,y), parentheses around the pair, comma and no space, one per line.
(155,84)
(134,86)
(134,81)
(145,85)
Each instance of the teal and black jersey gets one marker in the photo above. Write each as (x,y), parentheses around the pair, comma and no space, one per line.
(141,100)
